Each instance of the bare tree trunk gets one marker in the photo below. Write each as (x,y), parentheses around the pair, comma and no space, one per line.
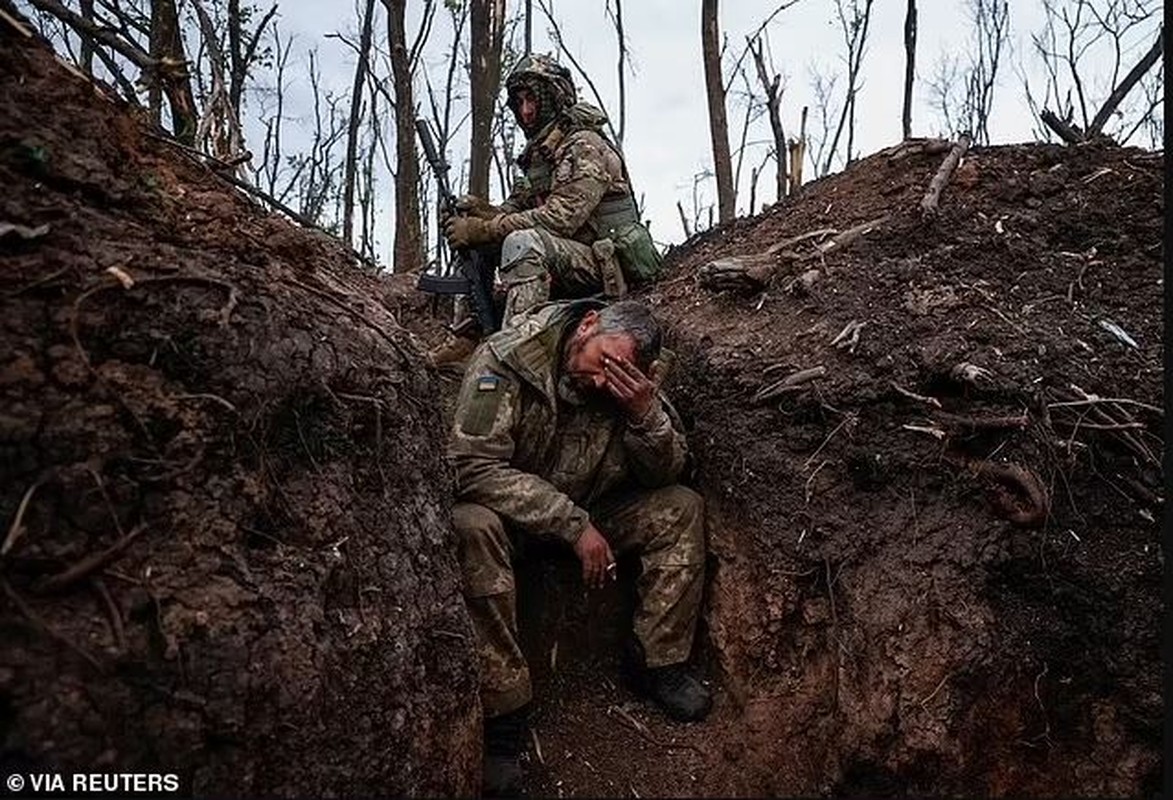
(167,45)
(242,50)
(855,36)
(352,131)
(718,126)
(87,46)
(773,107)
(909,66)
(155,88)
(408,250)
(487,28)
(620,36)
(529,26)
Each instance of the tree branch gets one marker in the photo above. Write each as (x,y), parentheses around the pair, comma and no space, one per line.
(1130,80)
(87,29)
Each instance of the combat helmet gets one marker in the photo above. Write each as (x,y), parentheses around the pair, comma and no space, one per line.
(550,83)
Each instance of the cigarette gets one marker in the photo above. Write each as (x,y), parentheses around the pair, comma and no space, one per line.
(611,567)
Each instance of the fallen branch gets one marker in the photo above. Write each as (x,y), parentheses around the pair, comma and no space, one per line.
(754,271)
(1063,129)
(847,237)
(912,147)
(930,205)
(983,423)
(790,383)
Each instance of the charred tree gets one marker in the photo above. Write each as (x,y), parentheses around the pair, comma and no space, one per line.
(909,67)
(352,128)
(408,249)
(772,87)
(718,124)
(487,28)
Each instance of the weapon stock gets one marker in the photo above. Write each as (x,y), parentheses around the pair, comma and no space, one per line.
(471,272)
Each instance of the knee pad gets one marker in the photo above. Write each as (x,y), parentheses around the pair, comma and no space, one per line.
(522,255)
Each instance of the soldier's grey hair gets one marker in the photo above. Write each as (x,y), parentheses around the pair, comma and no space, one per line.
(634,319)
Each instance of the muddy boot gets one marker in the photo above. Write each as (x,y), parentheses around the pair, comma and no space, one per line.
(504,742)
(681,696)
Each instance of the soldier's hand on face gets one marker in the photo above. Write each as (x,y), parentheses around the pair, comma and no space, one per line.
(594,552)
(632,389)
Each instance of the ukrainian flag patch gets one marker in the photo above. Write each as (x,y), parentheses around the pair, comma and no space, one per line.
(488,383)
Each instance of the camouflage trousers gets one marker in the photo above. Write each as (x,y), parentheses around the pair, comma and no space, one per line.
(664,526)
(537,266)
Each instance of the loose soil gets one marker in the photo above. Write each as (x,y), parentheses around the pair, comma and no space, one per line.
(935,568)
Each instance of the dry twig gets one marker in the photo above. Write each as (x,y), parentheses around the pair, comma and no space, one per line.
(89,564)
(643,731)
(16,530)
(920,398)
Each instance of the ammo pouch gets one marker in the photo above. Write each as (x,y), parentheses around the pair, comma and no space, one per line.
(637,253)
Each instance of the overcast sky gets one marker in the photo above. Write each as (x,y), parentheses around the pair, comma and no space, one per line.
(667,138)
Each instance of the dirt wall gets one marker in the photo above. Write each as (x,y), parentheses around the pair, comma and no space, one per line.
(226,548)
(891,613)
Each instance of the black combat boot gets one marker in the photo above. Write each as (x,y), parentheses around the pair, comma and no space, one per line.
(504,743)
(675,690)
(682,696)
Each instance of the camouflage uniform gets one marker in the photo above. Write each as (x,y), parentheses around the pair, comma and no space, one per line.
(554,227)
(533,460)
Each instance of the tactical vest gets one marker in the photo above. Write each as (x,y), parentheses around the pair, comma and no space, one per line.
(616,208)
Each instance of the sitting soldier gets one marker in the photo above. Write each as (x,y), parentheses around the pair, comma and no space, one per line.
(570,228)
(560,432)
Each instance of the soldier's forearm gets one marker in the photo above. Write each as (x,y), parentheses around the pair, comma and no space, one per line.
(565,211)
(656,449)
(525,501)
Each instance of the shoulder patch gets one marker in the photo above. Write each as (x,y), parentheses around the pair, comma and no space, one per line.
(565,169)
(480,410)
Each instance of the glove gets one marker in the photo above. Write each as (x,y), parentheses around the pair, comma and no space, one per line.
(472,206)
(469,231)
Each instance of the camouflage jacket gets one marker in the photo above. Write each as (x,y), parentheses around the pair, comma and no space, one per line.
(537,459)
(575,184)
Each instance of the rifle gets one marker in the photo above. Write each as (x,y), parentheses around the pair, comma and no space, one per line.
(470,270)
